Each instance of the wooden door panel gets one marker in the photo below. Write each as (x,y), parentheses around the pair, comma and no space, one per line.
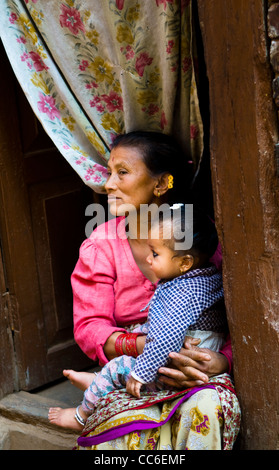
(42,223)
(57,209)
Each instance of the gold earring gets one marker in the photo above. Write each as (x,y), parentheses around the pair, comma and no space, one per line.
(170,183)
(159,194)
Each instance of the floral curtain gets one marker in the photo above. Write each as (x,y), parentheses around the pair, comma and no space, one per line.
(92,69)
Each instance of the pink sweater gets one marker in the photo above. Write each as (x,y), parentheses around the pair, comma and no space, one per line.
(109,290)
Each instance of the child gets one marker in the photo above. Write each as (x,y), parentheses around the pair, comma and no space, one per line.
(188,301)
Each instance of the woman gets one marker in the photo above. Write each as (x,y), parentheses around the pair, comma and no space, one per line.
(112,283)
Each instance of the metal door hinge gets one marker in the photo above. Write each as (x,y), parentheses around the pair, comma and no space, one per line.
(9,310)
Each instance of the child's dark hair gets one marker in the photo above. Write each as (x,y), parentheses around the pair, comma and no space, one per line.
(162,154)
(205,238)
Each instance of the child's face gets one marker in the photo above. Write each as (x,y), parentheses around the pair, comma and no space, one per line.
(163,261)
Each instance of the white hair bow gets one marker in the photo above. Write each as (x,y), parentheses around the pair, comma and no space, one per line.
(176,206)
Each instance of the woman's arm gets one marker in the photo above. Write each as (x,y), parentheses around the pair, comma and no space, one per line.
(109,347)
(93,301)
(193,366)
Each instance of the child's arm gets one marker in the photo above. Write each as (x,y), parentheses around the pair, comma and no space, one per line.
(166,334)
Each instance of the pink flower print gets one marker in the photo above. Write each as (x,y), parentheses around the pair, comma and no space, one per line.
(164,2)
(97,179)
(37,61)
(142,61)
(91,85)
(194,131)
(47,106)
(83,65)
(186,64)
(100,168)
(70,18)
(13,17)
(113,101)
(95,101)
(130,53)
(24,57)
(21,40)
(100,108)
(170,46)
(153,109)
(103,172)
(120,4)
(163,121)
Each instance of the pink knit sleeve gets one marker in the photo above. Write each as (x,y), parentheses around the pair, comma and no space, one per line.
(217,259)
(93,300)
(227,351)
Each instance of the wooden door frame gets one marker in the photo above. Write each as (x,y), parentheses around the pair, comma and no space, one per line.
(21,280)
(243,134)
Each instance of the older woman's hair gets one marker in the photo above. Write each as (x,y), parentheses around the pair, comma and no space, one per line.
(161,154)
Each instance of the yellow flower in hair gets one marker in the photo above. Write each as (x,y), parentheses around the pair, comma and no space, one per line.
(170,183)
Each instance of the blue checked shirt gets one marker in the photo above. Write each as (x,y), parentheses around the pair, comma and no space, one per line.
(192,301)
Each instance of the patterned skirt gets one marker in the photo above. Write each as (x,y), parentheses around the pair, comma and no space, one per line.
(199,418)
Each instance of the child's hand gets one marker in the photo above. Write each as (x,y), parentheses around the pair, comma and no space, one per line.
(133,387)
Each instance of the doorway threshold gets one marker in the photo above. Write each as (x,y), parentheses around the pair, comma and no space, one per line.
(24,423)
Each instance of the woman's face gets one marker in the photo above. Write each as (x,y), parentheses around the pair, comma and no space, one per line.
(129,183)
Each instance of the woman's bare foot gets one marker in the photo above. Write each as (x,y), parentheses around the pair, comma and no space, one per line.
(81,380)
(64,418)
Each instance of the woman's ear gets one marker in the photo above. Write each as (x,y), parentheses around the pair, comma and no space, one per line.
(186,263)
(161,186)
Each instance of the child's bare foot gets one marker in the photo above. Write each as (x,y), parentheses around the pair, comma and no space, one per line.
(64,418)
(81,380)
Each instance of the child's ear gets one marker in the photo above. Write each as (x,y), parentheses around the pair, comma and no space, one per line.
(186,263)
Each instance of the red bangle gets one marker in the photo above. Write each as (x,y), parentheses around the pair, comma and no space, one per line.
(119,344)
(130,344)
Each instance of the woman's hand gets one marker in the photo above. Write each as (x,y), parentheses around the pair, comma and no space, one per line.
(193,366)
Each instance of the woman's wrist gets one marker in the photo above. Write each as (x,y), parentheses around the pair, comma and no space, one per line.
(109,346)
(140,343)
(226,363)
(126,343)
